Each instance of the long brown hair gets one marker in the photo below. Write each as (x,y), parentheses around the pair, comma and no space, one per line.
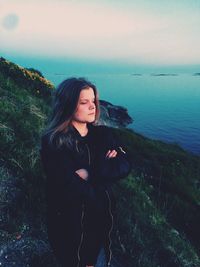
(65,101)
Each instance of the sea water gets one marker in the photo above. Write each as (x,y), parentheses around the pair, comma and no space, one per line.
(163,107)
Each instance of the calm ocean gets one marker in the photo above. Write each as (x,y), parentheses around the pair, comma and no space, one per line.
(163,107)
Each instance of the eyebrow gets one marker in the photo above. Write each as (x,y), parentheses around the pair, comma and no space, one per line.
(86,98)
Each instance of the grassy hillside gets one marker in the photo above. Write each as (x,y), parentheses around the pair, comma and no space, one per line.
(157,205)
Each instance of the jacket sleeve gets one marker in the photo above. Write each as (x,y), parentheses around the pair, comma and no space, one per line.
(60,173)
(109,170)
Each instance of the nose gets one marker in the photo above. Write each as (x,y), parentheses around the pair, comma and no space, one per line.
(92,105)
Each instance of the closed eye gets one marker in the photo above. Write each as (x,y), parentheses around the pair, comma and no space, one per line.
(86,102)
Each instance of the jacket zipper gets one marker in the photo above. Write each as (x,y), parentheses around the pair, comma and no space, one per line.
(82,216)
(81,241)
(88,153)
(110,242)
(87,150)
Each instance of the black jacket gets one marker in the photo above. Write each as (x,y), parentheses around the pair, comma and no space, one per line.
(80,212)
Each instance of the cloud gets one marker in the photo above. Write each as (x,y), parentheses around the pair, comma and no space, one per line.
(101,31)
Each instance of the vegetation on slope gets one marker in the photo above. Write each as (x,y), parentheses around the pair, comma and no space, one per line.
(157,212)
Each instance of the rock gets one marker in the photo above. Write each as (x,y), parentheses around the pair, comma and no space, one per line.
(31,252)
(10,198)
(26,252)
(112,115)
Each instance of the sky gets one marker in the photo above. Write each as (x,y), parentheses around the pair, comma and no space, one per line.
(126,32)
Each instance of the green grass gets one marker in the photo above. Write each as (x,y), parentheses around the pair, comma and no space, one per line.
(157,218)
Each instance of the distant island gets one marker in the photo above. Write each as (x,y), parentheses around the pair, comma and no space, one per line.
(136,74)
(164,74)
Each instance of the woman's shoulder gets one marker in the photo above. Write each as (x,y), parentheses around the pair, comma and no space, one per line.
(46,140)
(48,143)
(56,143)
(45,144)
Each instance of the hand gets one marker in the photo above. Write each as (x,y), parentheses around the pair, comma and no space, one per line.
(111,154)
(83,173)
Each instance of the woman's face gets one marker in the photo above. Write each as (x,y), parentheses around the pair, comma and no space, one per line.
(86,107)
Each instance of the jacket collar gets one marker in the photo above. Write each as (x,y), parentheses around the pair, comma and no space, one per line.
(78,135)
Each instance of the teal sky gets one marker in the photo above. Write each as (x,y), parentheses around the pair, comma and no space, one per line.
(116,33)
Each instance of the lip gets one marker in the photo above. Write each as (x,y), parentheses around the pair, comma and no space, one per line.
(91,114)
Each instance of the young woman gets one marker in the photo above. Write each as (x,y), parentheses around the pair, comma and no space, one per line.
(81,161)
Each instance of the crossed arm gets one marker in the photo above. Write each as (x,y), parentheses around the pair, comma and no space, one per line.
(112,164)
(83,173)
